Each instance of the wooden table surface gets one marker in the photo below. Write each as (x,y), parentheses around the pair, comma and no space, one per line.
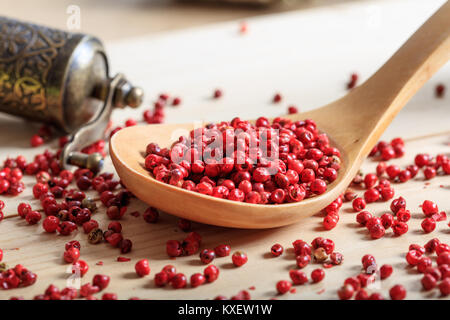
(251,69)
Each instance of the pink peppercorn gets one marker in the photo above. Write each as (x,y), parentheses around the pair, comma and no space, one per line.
(413,257)
(197,279)
(317,275)
(428,225)
(429,208)
(346,292)
(283,286)
(428,282)
(386,271)
(358,204)
(71,255)
(101,281)
(397,292)
(222,250)
(444,287)
(298,277)
(142,268)
(50,224)
(239,258)
(80,267)
(211,273)
(161,279)
(207,256)
(33,217)
(377,231)
(276,250)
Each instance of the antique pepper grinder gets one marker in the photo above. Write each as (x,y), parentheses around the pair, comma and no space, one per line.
(61,78)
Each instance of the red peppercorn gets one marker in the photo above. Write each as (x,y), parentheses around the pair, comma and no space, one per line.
(397,204)
(207,256)
(197,279)
(397,292)
(217,93)
(292,110)
(211,273)
(222,250)
(413,257)
(50,224)
(277,98)
(36,141)
(428,225)
(283,286)
(429,208)
(1,255)
(444,287)
(142,268)
(399,228)
(429,172)
(239,258)
(387,220)
(386,271)
(362,217)
(151,215)
(353,80)
(71,255)
(88,226)
(371,195)
(303,260)
(298,277)
(80,267)
(358,204)
(161,279)
(403,215)
(101,281)
(33,217)
(362,295)
(317,275)
(423,264)
(428,282)
(370,180)
(276,250)
(346,292)
(377,231)
(443,258)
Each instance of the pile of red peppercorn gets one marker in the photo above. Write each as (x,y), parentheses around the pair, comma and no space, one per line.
(298,164)
(16,277)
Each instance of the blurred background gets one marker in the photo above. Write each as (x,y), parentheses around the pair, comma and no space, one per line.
(117,19)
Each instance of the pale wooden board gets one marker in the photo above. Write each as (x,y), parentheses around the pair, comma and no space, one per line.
(42,252)
(281,53)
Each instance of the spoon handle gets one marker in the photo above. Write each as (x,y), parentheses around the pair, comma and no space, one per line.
(370,108)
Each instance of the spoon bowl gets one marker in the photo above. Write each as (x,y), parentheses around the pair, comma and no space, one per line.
(354,124)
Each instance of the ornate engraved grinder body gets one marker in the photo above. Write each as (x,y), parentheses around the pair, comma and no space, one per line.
(61,78)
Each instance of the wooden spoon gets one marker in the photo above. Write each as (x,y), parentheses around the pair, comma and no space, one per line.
(354,123)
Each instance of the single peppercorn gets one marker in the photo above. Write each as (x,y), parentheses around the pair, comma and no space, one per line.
(142,268)
(222,250)
(276,250)
(101,281)
(207,256)
(386,271)
(197,279)
(211,273)
(71,255)
(397,292)
(317,275)
(298,277)
(358,204)
(178,281)
(239,258)
(346,292)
